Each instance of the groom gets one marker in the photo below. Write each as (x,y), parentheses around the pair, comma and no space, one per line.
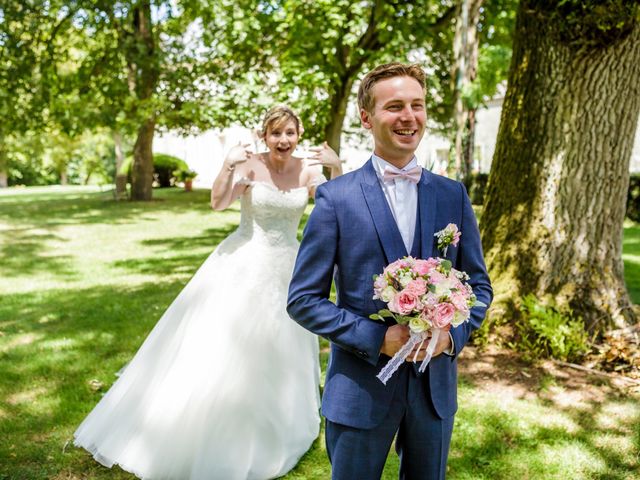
(361,222)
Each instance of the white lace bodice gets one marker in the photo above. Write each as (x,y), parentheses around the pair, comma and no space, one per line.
(271,215)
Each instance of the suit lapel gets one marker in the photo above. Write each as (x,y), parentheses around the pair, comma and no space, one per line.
(381,215)
(427,200)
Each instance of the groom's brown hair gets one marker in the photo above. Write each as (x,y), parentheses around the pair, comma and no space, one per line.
(382,72)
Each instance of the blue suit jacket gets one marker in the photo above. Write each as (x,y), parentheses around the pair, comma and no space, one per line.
(351,235)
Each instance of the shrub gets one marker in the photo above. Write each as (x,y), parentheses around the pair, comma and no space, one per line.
(164,167)
(544,331)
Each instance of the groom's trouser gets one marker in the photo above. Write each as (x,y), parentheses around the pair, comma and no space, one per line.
(422,442)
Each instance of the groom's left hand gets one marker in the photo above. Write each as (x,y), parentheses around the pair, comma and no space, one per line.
(443,345)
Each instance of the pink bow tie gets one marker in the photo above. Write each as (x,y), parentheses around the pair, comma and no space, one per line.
(413,174)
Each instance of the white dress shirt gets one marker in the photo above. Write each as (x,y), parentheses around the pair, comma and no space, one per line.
(402,197)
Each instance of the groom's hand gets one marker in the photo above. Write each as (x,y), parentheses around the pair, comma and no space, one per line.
(394,339)
(443,344)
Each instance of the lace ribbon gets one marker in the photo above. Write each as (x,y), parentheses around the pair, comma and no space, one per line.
(401,355)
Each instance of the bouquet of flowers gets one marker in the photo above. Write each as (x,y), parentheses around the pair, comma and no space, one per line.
(427,295)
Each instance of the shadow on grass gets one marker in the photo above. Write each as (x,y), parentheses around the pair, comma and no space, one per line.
(176,261)
(26,254)
(97,207)
(52,346)
(209,238)
(546,438)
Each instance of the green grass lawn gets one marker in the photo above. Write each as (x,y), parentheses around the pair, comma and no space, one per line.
(84,279)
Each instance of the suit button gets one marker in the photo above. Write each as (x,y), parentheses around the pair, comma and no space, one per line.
(362,354)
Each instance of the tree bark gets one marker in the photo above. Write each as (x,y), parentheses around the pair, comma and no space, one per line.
(142,62)
(465,51)
(142,172)
(339,103)
(555,204)
(121,177)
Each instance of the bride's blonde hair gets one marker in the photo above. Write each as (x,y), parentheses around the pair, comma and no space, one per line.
(278,116)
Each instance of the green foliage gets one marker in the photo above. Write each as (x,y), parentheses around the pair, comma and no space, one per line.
(589,23)
(544,331)
(493,68)
(164,168)
(182,175)
(48,157)
(495,31)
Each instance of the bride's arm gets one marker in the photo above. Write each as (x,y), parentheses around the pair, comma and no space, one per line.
(224,191)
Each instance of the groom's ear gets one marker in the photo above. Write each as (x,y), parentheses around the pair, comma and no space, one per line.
(365,118)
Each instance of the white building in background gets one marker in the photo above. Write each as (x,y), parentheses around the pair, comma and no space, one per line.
(205,153)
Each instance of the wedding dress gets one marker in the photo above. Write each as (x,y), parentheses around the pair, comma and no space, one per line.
(226,384)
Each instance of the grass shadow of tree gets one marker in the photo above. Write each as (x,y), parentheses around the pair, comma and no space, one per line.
(100,207)
(551,440)
(62,341)
(26,253)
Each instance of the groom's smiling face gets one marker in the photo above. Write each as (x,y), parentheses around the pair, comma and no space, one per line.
(397,120)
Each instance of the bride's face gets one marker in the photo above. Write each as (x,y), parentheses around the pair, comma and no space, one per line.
(282,139)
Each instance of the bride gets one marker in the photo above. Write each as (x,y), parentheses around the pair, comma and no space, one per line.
(226,385)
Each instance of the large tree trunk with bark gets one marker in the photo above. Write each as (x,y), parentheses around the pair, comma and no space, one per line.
(143,68)
(555,204)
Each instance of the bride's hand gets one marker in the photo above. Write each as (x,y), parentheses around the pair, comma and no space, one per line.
(325,156)
(238,154)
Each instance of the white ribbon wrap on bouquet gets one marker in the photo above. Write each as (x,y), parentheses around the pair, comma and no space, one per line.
(401,355)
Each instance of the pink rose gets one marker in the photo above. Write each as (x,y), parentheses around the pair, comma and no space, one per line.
(443,315)
(379,285)
(436,277)
(403,303)
(392,268)
(428,313)
(424,267)
(454,232)
(416,287)
(459,301)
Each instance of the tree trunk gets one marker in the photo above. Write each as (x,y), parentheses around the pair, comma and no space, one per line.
(465,51)
(121,176)
(469,143)
(142,62)
(339,102)
(555,204)
(142,171)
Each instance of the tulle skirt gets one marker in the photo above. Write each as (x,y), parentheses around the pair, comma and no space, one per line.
(226,384)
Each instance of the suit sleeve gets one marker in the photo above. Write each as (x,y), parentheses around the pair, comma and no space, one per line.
(471,261)
(309,303)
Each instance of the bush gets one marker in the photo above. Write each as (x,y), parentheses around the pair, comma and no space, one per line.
(544,331)
(164,167)
(633,198)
